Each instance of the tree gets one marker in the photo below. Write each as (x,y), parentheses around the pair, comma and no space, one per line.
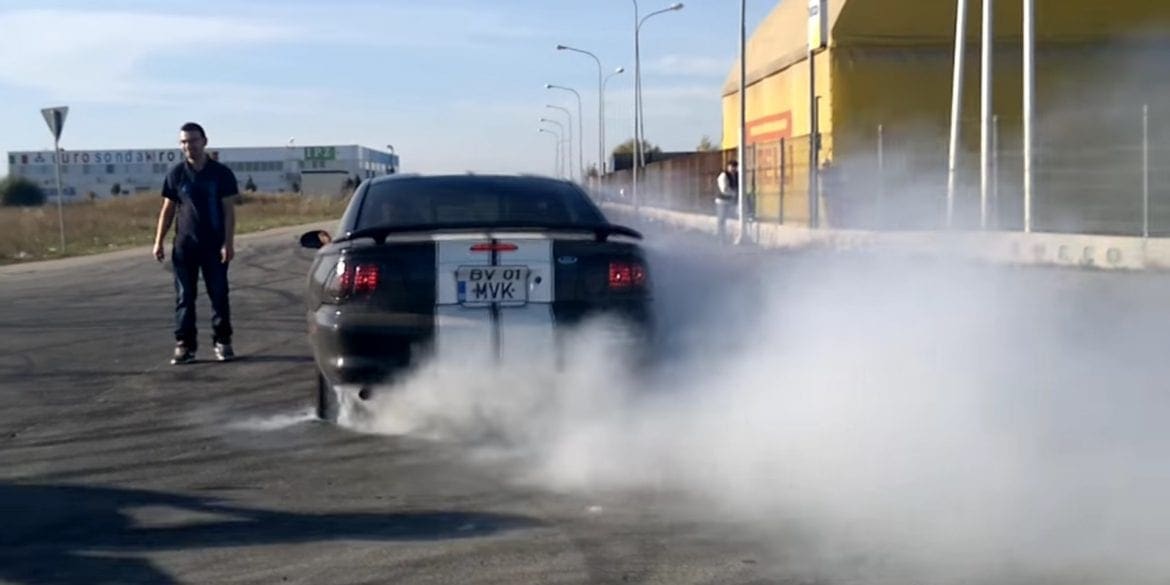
(250,186)
(627,148)
(705,145)
(21,192)
(116,189)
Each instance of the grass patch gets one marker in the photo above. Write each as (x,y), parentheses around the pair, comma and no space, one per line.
(31,234)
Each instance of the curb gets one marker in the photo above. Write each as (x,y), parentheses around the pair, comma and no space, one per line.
(1042,249)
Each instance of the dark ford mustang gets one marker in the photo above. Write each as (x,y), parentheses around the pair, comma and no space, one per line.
(461,264)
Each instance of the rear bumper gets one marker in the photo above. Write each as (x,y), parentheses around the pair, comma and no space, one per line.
(357,347)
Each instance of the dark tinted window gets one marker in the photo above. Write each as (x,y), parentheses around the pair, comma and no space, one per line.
(474,201)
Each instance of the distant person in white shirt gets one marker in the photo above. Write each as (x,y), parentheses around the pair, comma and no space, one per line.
(725,199)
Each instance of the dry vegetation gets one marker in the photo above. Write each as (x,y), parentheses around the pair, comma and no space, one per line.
(28,234)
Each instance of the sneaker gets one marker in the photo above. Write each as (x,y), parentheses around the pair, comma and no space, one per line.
(182,355)
(223,352)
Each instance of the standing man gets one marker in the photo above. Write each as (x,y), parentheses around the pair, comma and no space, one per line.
(728,183)
(201,192)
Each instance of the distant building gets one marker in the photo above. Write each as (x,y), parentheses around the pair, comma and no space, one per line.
(313,170)
(885,78)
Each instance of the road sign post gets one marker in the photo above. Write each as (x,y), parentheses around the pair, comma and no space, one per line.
(55,118)
(818,38)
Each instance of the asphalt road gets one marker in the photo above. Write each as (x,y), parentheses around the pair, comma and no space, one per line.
(116,467)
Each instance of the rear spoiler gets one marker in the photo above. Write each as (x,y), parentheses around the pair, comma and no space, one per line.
(600,231)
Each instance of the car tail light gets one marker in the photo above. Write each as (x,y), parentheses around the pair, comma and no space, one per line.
(350,280)
(365,279)
(626,275)
(494,247)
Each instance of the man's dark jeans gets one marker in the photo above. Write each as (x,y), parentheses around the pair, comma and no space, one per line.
(188,263)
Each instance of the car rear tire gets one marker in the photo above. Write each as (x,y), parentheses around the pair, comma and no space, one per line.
(327,404)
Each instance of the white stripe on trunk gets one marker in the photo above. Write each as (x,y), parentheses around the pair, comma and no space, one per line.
(464,334)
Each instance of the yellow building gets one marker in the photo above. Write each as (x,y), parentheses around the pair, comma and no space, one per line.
(884,84)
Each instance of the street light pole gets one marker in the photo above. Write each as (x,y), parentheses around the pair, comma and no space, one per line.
(569,135)
(956,108)
(580,129)
(604,83)
(641,117)
(986,111)
(562,129)
(637,95)
(1029,107)
(742,129)
(557,162)
(600,102)
(292,173)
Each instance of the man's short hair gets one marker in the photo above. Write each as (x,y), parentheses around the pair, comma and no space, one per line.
(732,163)
(193,127)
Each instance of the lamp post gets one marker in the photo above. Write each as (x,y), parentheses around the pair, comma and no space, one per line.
(637,79)
(956,108)
(561,127)
(600,102)
(741,141)
(986,111)
(557,162)
(580,131)
(1029,108)
(640,117)
(604,83)
(568,134)
(293,172)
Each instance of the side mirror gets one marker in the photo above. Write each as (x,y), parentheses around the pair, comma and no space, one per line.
(315,239)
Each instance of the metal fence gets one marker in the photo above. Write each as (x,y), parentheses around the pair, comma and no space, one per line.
(1106,173)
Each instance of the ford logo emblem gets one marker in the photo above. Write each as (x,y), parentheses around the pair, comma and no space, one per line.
(567,260)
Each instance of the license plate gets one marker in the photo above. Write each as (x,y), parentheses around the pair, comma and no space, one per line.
(482,286)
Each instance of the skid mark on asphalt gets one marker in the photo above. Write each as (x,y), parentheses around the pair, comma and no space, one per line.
(272,423)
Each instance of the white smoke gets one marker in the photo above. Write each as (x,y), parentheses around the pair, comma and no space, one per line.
(875,419)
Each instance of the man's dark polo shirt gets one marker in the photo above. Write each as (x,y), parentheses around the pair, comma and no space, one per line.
(199,203)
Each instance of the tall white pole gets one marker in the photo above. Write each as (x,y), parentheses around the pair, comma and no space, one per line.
(742,143)
(956,108)
(600,123)
(568,130)
(600,108)
(569,174)
(1146,171)
(814,150)
(1029,106)
(985,111)
(641,115)
(603,164)
(637,95)
(604,146)
(580,141)
(881,170)
(995,172)
(60,192)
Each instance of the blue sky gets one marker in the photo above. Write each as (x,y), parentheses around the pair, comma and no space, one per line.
(454,85)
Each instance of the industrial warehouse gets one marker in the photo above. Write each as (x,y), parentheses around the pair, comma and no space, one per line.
(312,170)
(883,96)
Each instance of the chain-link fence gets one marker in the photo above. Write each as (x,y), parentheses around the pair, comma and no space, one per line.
(1104,172)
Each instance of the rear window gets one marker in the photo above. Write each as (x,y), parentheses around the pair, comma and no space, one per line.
(474,201)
